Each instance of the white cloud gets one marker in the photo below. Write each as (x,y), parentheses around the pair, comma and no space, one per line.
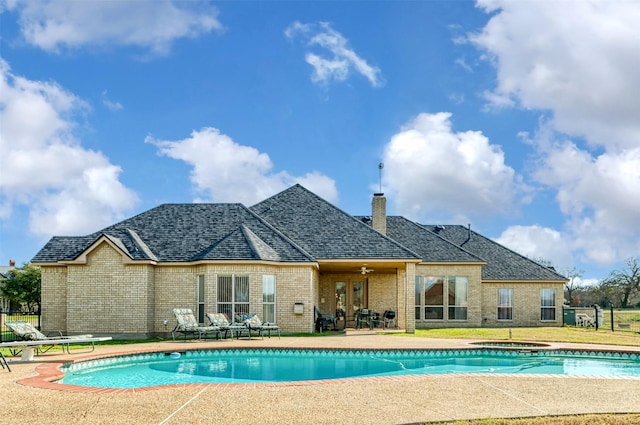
(67,189)
(154,25)
(229,172)
(539,243)
(599,195)
(110,104)
(435,173)
(341,59)
(580,61)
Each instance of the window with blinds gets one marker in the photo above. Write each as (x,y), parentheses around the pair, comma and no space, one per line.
(233,296)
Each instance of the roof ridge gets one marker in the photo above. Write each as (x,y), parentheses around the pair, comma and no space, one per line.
(281,234)
(258,245)
(141,244)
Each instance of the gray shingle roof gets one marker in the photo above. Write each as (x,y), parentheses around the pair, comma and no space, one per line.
(431,247)
(295,225)
(325,231)
(186,232)
(502,263)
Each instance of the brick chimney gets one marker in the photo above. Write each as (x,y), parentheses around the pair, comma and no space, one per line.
(379,217)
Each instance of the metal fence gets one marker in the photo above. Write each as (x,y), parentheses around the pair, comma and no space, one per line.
(5,334)
(610,319)
(622,320)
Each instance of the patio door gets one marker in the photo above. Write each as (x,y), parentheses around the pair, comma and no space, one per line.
(351,296)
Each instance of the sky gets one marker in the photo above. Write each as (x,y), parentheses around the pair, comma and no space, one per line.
(520,119)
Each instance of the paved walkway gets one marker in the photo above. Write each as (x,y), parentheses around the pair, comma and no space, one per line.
(403,400)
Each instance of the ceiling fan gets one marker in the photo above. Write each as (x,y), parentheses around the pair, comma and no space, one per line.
(364,270)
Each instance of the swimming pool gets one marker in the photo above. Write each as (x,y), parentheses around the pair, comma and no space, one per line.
(234,366)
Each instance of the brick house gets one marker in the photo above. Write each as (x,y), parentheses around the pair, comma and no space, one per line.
(283,258)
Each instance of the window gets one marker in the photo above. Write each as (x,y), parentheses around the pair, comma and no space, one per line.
(458,297)
(434,298)
(505,304)
(200,298)
(548,304)
(269,298)
(441,297)
(233,296)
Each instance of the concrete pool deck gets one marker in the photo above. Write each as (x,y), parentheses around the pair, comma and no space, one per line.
(28,397)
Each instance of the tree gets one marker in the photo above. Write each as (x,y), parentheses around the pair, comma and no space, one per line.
(23,286)
(623,285)
(573,275)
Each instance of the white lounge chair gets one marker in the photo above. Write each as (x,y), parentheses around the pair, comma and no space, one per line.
(255,324)
(221,321)
(32,341)
(187,324)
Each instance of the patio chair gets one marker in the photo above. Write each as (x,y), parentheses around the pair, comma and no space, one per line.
(220,320)
(364,316)
(585,320)
(323,320)
(255,324)
(187,324)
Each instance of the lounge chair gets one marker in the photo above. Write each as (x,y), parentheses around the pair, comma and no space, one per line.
(32,340)
(221,321)
(187,324)
(25,331)
(255,324)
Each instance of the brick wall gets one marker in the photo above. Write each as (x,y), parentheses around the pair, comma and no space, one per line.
(106,296)
(526,304)
(54,299)
(175,286)
(110,296)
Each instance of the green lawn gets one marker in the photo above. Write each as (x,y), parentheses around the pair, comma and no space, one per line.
(549,334)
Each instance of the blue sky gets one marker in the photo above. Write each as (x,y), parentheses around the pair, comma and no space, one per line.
(518,118)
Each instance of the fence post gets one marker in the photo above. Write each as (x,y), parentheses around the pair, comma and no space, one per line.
(1,324)
(611,318)
(595,307)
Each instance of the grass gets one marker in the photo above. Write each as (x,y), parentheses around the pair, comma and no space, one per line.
(611,419)
(567,334)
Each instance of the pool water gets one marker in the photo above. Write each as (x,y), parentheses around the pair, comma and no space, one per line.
(227,366)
